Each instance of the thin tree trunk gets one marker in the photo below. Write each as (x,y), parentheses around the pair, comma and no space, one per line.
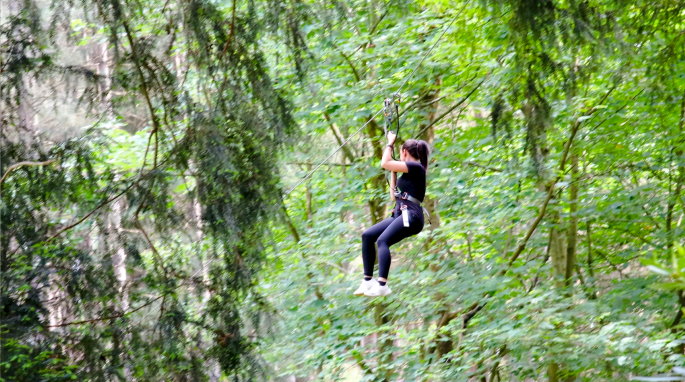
(24,107)
(119,256)
(671,206)
(385,346)
(553,372)
(469,240)
(199,237)
(557,253)
(680,178)
(119,266)
(308,197)
(103,70)
(588,228)
(572,233)
(377,204)
(289,223)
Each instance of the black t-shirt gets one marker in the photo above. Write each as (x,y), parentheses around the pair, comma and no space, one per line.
(414,181)
(414,184)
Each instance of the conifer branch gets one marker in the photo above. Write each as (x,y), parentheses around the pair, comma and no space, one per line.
(89,214)
(152,246)
(106,202)
(108,317)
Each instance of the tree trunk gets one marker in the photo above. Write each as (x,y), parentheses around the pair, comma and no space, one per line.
(199,238)
(119,267)
(680,178)
(444,343)
(552,372)
(385,347)
(557,253)
(671,234)
(119,256)
(572,232)
(588,228)
(308,198)
(103,70)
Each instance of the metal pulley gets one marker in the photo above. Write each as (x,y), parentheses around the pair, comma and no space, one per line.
(391,111)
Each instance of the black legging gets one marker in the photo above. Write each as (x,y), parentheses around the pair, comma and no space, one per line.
(386,233)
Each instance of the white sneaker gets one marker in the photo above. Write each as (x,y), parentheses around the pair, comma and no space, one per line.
(365,286)
(378,290)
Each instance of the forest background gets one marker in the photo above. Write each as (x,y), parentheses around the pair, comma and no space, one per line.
(149,148)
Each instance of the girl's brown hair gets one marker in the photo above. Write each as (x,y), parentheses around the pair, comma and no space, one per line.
(418,150)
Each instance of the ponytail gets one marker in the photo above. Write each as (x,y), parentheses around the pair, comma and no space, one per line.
(418,150)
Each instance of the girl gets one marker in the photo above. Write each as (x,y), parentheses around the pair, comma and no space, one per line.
(407,216)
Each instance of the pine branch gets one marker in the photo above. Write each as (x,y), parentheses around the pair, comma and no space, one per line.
(152,246)
(89,214)
(108,317)
(106,202)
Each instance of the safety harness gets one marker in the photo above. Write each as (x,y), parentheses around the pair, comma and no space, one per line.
(405,196)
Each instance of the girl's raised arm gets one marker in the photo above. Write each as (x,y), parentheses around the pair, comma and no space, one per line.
(387,162)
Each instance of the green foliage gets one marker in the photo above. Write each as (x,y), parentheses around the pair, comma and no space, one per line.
(514,82)
(156,244)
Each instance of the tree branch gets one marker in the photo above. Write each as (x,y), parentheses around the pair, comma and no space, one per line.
(550,191)
(136,59)
(473,309)
(115,197)
(22,164)
(360,361)
(230,35)
(474,164)
(290,224)
(89,214)
(679,315)
(108,317)
(357,77)
(152,246)
(443,115)
(340,138)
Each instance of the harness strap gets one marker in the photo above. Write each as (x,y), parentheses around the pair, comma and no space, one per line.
(405,196)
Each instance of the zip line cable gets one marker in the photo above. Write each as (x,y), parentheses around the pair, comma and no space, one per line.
(333,153)
(396,95)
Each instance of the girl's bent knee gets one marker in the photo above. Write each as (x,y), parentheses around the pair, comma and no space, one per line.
(382,243)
